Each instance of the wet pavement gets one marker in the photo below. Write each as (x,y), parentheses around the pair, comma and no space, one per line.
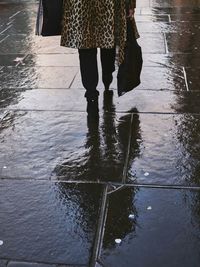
(120,191)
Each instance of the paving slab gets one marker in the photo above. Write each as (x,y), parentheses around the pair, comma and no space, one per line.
(24,23)
(170,10)
(152,43)
(153,101)
(170,62)
(11,60)
(37,77)
(26,264)
(3,263)
(156,60)
(143,3)
(16,44)
(54,60)
(18,2)
(48,222)
(73,100)
(40,145)
(185,17)
(160,75)
(157,76)
(177,43)
(8,97)
(49,45)
(187,102)
(174,3)
(23,43)
(193,78)
(152,17)
(187,60)
(105,153)
(153,27)
(8,10)
(176,27)
(164,231)
(164,150)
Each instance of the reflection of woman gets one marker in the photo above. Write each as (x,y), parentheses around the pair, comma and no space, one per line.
(105,150)
(88,25)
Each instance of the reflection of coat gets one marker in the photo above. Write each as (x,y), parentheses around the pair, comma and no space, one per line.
(94,23)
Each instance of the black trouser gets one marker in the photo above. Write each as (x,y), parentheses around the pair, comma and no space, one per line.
(89,69)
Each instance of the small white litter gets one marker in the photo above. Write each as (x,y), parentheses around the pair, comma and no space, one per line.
(1,242)
(146,174)
(5,167)
(18,59)
(131,216)
(149,208)
(118,241)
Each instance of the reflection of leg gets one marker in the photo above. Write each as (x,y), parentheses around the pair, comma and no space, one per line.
(108,66)
(108,101)
(93,128)
(89,72)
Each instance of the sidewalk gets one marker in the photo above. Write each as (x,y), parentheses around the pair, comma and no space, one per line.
(119,192)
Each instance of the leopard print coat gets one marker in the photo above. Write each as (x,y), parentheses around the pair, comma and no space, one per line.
(95,23)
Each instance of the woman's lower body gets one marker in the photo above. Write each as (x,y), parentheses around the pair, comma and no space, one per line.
(89,69)
(90,75)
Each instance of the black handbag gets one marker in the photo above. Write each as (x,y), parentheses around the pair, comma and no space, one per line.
(129,72)
(49,17)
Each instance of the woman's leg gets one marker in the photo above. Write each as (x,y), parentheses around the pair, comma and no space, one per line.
(89,72)
(108,66)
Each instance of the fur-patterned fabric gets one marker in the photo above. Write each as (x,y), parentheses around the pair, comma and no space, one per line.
(95,23)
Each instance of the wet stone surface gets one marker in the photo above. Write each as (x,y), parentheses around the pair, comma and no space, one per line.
(56,227)
(27,264)
(37,77)
(193,78)
(175,3)
(176,43)
(157,43)
(54,60)
(159,101)
(3,263)
(184,60)
(156,76)
(175,160)
(15,44)
(11,60)
(60,169)
(151,18)
(164,231)
(67,100)
(185,17)
(177,27)
(180,9)
(64,145)
(71,147)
